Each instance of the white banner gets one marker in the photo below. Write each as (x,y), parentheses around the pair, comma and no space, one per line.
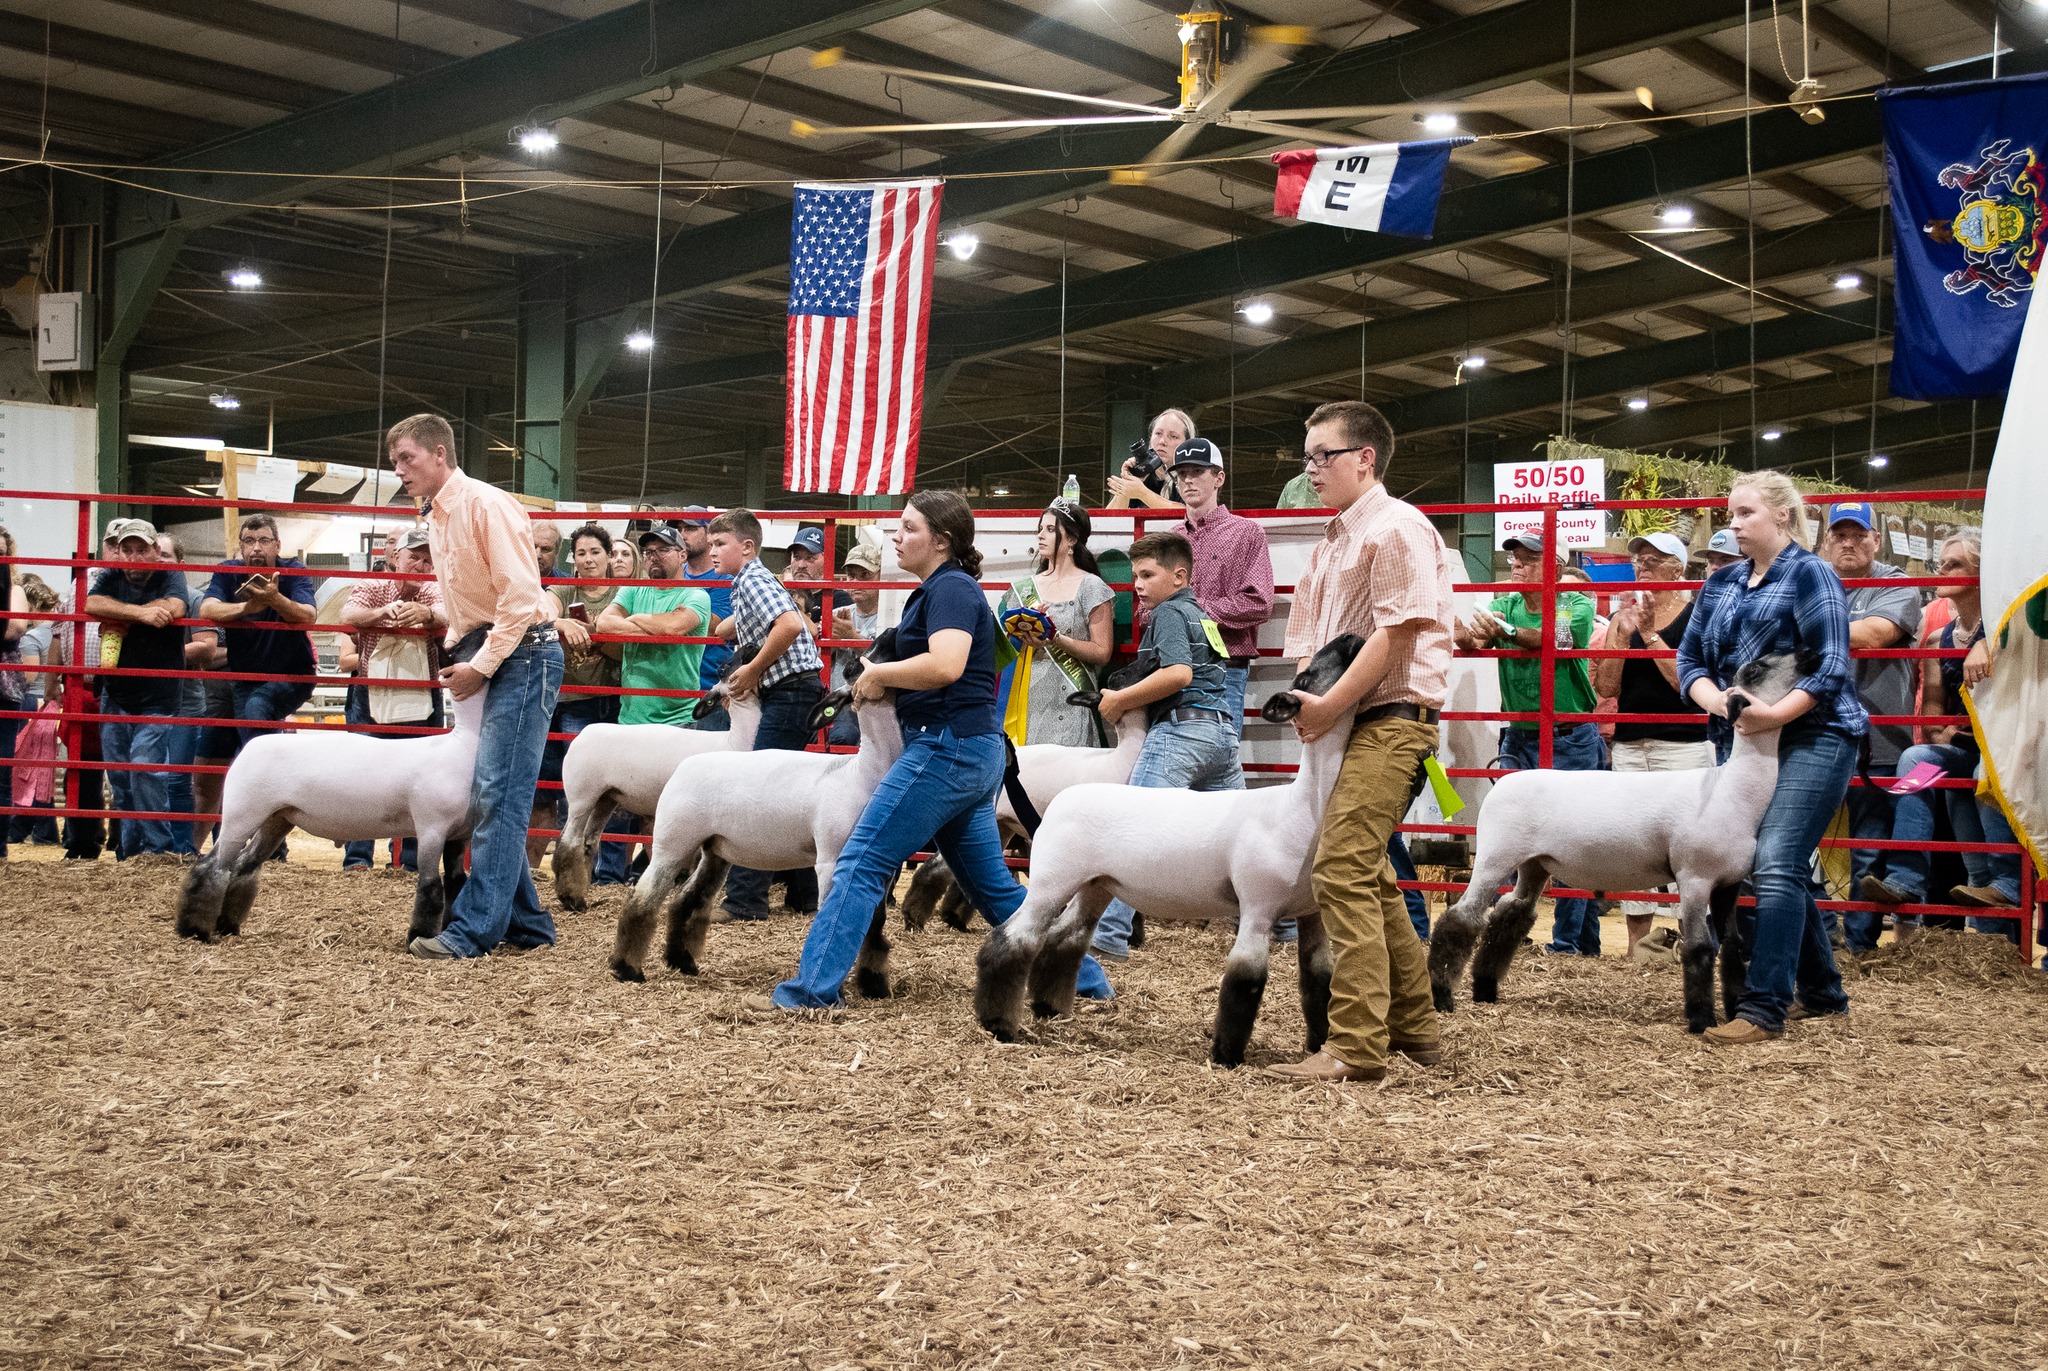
(1578,481)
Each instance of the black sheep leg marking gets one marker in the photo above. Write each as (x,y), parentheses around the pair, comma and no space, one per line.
(241,892)
(1316,966)
(1242,991)
(1508,925)
(1451,943)
(871,967)
(929,886)
(1699,942)
(689,914)
(1058,964)
(1735,944)
(636,921)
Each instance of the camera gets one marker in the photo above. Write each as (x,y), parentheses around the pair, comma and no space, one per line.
(1147,467)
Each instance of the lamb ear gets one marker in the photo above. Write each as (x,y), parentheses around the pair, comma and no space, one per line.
(1281,707)
(1806,661)
(829,709)
(1085,699)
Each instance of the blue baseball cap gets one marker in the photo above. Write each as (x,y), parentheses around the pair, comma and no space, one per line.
(811,540)
(1855,512)
(1723,542)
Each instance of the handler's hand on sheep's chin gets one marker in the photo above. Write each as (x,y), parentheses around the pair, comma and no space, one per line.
(1756,718)
(1318,716)
(867,686)
(463,680)
(742,681)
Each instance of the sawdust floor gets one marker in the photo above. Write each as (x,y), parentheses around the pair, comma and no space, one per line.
(301,1148)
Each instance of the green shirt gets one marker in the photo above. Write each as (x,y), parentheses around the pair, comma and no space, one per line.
(661,666)
(1521,681)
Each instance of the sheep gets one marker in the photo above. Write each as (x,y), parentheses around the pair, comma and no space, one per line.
(1606,830)
(1044,770)
(609,765)
(769,810)
(346,787)
(1227,854)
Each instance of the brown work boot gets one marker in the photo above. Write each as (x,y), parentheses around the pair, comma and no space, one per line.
(1422,1054)
(1324,1067)
(1981,897)
(1738,1033)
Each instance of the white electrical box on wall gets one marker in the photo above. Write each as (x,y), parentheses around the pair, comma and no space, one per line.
(64,323)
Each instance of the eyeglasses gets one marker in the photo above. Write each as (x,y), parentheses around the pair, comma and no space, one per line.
(1316,461)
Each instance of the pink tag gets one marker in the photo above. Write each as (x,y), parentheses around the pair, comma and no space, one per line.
(1918,779)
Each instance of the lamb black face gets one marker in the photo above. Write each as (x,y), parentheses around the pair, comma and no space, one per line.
(1319,677)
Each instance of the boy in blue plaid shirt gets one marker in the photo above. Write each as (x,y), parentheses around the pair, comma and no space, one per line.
(786,673)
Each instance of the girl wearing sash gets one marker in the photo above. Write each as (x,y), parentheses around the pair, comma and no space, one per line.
(1066,589)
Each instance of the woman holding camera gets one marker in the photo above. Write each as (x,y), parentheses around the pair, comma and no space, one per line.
(1145,479)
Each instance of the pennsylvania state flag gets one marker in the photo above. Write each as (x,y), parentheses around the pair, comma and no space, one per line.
(1965,163)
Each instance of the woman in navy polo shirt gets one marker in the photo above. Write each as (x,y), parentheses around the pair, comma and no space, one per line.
(1781,598)
(941,792)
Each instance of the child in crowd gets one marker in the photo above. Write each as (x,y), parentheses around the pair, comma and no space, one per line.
(785,672)
(1191,742)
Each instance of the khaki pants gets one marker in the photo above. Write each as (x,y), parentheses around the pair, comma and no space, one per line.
(1379,984)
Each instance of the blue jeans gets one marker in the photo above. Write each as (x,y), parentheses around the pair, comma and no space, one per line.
(1789,944)
(1871,815)
(184,744)
(1574,747)
(8,729)
(941,791)
(1404,870)
(1970,821)
(785,715)
(1200,754)
(267,700)
(137,790)
(362,854)
(498,903)
(1235,678)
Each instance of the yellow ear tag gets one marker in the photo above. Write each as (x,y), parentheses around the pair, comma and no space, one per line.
(1447,801)
(1215,637)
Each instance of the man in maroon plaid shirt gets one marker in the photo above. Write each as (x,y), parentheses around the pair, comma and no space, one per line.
(1233,566)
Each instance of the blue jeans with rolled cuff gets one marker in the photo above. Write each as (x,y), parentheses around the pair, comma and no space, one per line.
(1871,815)
(786,710)
(143,791)
(1404,870)
(181,748)
(1575,927)
(1970,821)
(498,903)
(941,792)
(1194,754)
(362,854)
(1790,955)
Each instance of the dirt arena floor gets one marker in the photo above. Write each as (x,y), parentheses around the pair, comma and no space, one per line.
(304,1149)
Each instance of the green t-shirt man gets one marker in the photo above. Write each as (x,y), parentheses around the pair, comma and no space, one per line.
(661,666)
(1521,681)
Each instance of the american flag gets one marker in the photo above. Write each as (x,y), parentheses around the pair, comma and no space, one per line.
(860,285)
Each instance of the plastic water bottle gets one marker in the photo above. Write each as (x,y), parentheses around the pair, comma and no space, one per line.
(1072,489)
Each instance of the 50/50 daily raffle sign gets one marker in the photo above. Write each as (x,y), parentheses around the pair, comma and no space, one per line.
(1579,481)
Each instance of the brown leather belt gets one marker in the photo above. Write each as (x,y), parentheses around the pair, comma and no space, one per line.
(1401,709)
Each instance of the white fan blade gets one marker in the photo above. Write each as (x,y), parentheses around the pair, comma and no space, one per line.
(1605,100)
(832,57)
(807,130)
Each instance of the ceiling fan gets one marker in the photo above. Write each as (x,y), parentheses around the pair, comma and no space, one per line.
(1222,58)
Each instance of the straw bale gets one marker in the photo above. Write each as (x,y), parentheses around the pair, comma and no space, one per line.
(302,1149)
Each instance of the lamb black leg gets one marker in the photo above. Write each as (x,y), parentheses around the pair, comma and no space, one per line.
(636,921)
(1001,970)
(199,902)
(928,887)
(453,877)
(1313,958)
(1239,997)
(1735,945)
(1058,965)
(1451,942)
(689,914)
(1699,928)
(241,891)
(871,967)
(1508,925)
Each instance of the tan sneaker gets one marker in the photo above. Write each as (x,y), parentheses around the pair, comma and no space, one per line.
(1738,1033)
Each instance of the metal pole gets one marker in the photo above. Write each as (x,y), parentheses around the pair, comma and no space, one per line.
(1547,650)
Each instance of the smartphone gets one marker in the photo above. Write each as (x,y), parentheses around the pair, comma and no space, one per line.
(579,611)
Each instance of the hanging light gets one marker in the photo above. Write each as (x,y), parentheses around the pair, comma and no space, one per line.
(640,340)
(1674,216)
(1638,402)
(1848,280)
(1257,313)
(1440,123)
(962,245)
(245,278)
(1880,460)
(220,399)
(999,490)
(1771,435)
(536,138)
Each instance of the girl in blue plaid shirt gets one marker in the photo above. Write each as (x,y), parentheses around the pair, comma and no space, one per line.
(1781,598)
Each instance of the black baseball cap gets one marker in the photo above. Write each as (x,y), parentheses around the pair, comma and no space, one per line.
(662,533)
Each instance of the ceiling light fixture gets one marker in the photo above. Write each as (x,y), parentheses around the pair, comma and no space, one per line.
(536,138)
(1848,280)
(1638,402)
(1880,460)
(220,399)
(999,490)
(245,278)
(962,245)
(1674,216)
(1258,313)
(1440,123)
(640,340)
(1771,435)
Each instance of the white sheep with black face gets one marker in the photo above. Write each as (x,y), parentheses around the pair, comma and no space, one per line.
(770,810)
(1622,830)
(1241,855)
(348,787)
(626,766)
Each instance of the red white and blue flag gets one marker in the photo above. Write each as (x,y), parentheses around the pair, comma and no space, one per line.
(860,289)
(1378,187)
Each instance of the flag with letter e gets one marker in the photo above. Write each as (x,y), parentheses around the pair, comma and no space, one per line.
(1965,165)
(860,290)
(1380,187)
